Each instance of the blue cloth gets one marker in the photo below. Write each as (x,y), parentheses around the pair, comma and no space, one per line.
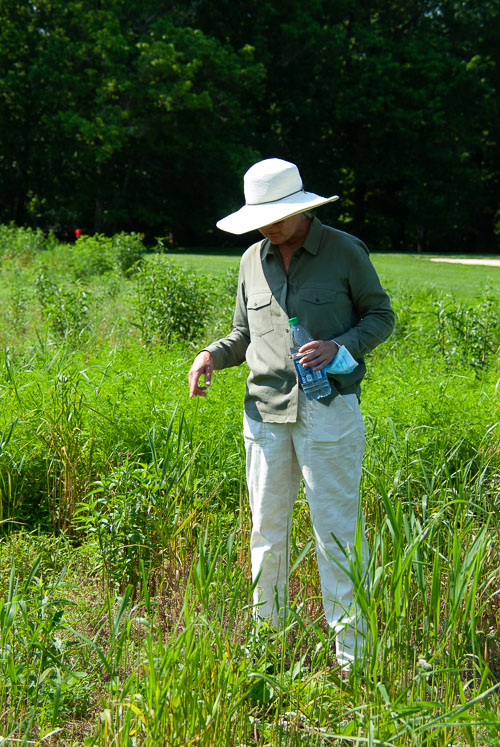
(343,363)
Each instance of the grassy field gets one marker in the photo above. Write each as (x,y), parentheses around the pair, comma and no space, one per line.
(413,270)
(125,597)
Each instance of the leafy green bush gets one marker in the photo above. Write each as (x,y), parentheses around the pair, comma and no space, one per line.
(128,250)
(467,333)
(92,255)
(99,254)
(137,511)
(38,650)
(96,255)
(172,303)
(223,299)
(16,241)
(63,308)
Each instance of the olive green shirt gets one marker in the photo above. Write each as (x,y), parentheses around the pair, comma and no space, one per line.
(334,290)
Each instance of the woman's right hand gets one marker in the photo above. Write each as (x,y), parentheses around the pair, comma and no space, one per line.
(203,365)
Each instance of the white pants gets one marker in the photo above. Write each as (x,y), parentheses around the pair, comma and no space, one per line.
(325,447)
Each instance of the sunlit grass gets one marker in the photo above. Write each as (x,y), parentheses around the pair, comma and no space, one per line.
(413,271)
(125,618)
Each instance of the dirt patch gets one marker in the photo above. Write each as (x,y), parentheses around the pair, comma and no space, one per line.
(488,262)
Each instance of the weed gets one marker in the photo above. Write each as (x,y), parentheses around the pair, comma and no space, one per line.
(69,451)
(93,442)
(63,308)
(138,511)
(17,303)
(172,303)
(98,254)
(468,335)
(25,243)
(36,654)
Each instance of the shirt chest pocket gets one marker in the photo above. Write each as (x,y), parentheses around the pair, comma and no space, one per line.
(327,311)
(259,313)
(318,296)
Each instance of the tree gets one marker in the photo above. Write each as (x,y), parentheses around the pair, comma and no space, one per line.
(114,124)
(392,104)
(144,114)
(18,127)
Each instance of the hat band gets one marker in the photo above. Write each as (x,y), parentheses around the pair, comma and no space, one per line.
(270,202)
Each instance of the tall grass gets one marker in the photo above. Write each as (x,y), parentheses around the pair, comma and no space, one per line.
(125,592)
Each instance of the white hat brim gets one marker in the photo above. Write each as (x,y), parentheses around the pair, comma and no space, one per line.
(251,217)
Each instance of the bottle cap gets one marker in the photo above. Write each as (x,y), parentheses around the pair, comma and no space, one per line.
(293,320)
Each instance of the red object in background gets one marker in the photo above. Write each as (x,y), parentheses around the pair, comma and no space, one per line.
(78,233)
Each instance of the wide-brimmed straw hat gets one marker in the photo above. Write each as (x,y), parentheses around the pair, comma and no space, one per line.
(273,192)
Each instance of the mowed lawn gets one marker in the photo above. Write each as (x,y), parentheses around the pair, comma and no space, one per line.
(413,270)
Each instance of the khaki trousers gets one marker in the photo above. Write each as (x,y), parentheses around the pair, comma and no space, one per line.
(325,446)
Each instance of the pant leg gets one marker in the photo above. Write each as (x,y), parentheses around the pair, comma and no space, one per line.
(330,442)
(273,479)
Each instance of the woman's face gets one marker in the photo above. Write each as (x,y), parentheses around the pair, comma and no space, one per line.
(284,231)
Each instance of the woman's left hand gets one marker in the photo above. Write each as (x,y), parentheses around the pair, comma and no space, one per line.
(318,353)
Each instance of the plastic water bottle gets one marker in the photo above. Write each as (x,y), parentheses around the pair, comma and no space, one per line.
(314,383)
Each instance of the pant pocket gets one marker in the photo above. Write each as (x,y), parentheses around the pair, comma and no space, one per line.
(254,431)
(340,421)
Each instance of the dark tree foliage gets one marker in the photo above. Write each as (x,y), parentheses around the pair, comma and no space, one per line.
(115,118)
(393,104)
(143,115)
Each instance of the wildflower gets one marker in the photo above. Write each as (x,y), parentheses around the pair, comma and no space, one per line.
(423,664)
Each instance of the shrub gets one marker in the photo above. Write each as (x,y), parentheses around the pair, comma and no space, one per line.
(138,511)
(64,309)
(92,255)
(96,255)
(224,297)
(467,333)
(172,302)
(128,250)
(16,241)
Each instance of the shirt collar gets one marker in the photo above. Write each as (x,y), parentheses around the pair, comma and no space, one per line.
(313,238)
(311,243)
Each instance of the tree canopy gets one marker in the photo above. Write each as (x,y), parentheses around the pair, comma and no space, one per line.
(141,115)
